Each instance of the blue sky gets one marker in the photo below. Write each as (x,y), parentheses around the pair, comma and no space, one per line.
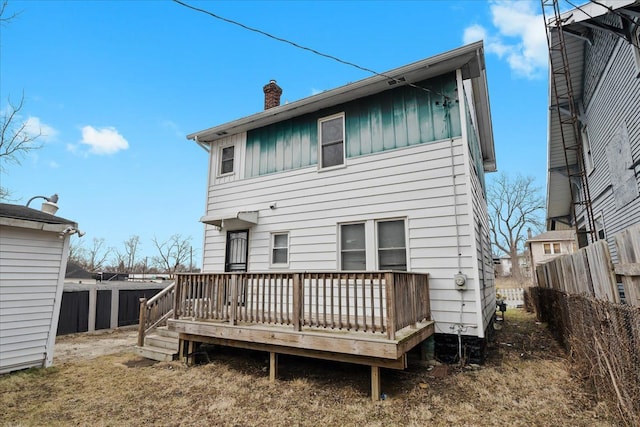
(114,87)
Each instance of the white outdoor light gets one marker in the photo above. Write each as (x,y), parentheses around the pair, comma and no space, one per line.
(50,205)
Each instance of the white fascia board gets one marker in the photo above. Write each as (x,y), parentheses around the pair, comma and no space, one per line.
(417,71)
(35,225)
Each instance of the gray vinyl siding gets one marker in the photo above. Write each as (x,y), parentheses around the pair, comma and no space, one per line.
(30,261)
(597,56)
(616,101)
(413,183)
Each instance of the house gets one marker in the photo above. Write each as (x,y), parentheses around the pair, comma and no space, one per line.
(549,245)
(34,246)
(504,265)
(343,225)
(601,152)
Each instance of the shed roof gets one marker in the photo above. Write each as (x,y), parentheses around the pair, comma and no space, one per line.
(469,59)
(29,214)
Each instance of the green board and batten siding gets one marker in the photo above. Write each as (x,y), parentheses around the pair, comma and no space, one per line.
(392,119)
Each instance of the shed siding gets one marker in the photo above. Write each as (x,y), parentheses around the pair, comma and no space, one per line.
(414,183)
(30,261)
(615,104)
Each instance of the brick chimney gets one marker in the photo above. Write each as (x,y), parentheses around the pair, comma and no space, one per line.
(272,94)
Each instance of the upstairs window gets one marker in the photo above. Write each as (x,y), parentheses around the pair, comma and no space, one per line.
(280,249)
(586,151)
(226,159)
(552,248)
(599,223)
(331,138)
(392,250)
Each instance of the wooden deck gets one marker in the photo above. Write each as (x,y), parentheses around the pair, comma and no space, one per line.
(371,318)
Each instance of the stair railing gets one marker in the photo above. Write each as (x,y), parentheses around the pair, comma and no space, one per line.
(155,311)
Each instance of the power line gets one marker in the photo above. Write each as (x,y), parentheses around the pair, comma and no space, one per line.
(294,44)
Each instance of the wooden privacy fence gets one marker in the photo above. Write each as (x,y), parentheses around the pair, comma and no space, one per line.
(373,302)
(591,272)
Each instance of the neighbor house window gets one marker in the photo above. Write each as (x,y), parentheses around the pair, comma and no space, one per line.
(352,247)
(586,151)
(392,251)
(226,159)
(552,248)
(331,139)
(280,249)
(600,228)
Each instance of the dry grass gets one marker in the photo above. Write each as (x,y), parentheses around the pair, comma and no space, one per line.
(525,383)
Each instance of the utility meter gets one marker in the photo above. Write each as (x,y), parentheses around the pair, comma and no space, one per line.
(460,281)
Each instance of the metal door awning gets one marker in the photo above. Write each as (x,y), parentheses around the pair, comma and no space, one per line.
(232,221)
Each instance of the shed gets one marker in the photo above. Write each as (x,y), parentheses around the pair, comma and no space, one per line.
(34,247)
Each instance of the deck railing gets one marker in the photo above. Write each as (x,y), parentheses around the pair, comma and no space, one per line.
(372,302)
(155,311)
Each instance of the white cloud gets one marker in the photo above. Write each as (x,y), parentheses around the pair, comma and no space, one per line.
(103,140)
(315,91)
(53,164)
(35,128)
(518,36)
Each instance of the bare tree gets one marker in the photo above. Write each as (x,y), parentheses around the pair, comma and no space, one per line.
(131,246)
(77,252)
(15,139)
(97,254)
(118,262)
(173,252)
(514,206)
(4,19)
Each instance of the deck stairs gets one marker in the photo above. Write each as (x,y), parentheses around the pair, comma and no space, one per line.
(161,345)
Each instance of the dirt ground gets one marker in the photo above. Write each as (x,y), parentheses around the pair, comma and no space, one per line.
(91,345)
(99,381)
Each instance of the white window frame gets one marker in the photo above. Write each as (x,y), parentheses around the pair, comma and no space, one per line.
(344,142)
(600,227)
(273,247)
(340,250)
(586,150)
(552,250)
(377,241)
(371,242)
(220,159)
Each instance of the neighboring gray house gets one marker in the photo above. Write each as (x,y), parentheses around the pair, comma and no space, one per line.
(386,173)
(604,62)
(34,246)
(549,245)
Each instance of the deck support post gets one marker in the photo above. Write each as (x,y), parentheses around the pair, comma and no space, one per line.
(181,349)
(190,357)
(273,366)
(375,383)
